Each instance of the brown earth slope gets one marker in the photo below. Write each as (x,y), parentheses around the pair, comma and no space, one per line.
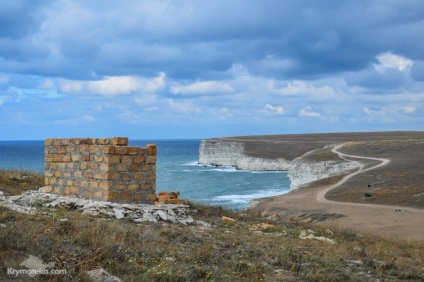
(398,183)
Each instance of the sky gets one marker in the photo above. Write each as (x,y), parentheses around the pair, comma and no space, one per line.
(199,69)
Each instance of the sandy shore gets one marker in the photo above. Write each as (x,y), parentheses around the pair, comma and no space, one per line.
(385,220)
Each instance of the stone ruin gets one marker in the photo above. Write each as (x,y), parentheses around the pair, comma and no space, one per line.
(102,169)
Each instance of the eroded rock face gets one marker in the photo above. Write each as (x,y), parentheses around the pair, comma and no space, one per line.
(227,153)
(301,170)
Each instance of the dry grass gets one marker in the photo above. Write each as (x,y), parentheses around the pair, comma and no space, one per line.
(14,182)
(170,252)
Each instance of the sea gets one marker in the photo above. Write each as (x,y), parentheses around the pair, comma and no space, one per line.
(177,170)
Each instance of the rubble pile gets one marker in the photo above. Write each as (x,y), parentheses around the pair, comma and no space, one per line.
(28,201)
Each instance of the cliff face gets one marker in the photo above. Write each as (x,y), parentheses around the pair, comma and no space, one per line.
(305,169)
(228,153)
(301,170)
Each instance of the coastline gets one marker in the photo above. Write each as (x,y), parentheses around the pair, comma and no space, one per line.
(336,199)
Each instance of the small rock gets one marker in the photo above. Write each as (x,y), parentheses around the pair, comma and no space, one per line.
(34,262)
(3,225)
(358,250)
(63,219)
(187,220)
(228,221)
(101,275)
(118,213)
(203,223)
(170,259)
(149,217)
(357,262)
(163,215)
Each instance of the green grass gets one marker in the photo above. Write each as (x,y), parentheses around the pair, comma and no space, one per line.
(172,252)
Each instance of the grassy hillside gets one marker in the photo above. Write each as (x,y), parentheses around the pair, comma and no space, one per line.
(255,249)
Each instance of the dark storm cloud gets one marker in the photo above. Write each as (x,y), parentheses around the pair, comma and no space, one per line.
(200,39)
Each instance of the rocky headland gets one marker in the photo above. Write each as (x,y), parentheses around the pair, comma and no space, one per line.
(306,157)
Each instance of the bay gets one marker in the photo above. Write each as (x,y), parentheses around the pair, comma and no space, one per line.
(177,170)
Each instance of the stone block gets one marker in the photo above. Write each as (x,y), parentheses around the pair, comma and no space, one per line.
(151,176)
(133,150)
(94,149)
(126,159)
(94,184)
(151,149)
(228,221)
(119,141)
(98,176)
(151,197)
(134,167)
(93,166)
(151,159)
(74,190)
(121,186)
(67,190)
(133,187)
(66,159)
(75,157)
(85,148)
(111,176)
(121,150)
(88,174)
(139,176)
(106,185)
(121,167)
(139,159)
(138,196)
(107,149)
(47,189)
(48,142)
(104,168)
(125,196)
(98,159)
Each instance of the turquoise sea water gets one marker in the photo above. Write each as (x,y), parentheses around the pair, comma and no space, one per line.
(177,170)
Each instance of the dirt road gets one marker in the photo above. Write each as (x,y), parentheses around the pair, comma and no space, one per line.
(385,220)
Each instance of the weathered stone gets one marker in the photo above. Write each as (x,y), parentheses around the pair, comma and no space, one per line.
(228,221)
(119,213)
(101,275)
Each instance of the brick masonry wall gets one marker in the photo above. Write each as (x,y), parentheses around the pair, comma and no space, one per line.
(101,169)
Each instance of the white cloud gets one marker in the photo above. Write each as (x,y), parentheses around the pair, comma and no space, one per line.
(389,60)
(47,84)
(115,85)
(407,109)
(4,79)
(182,107)
(277,110)
(297,87)
(307,112)
(203,87)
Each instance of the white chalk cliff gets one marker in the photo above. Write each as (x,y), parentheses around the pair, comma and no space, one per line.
(301,170)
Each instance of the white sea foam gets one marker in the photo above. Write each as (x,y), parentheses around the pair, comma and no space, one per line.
(193,163)
(245,198)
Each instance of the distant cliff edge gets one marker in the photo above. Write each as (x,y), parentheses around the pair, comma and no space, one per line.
(306,157)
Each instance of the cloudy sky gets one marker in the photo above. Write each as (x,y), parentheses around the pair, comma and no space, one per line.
(198,69)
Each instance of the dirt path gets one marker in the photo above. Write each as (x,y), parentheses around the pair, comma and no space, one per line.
(321,195)
(385,220)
